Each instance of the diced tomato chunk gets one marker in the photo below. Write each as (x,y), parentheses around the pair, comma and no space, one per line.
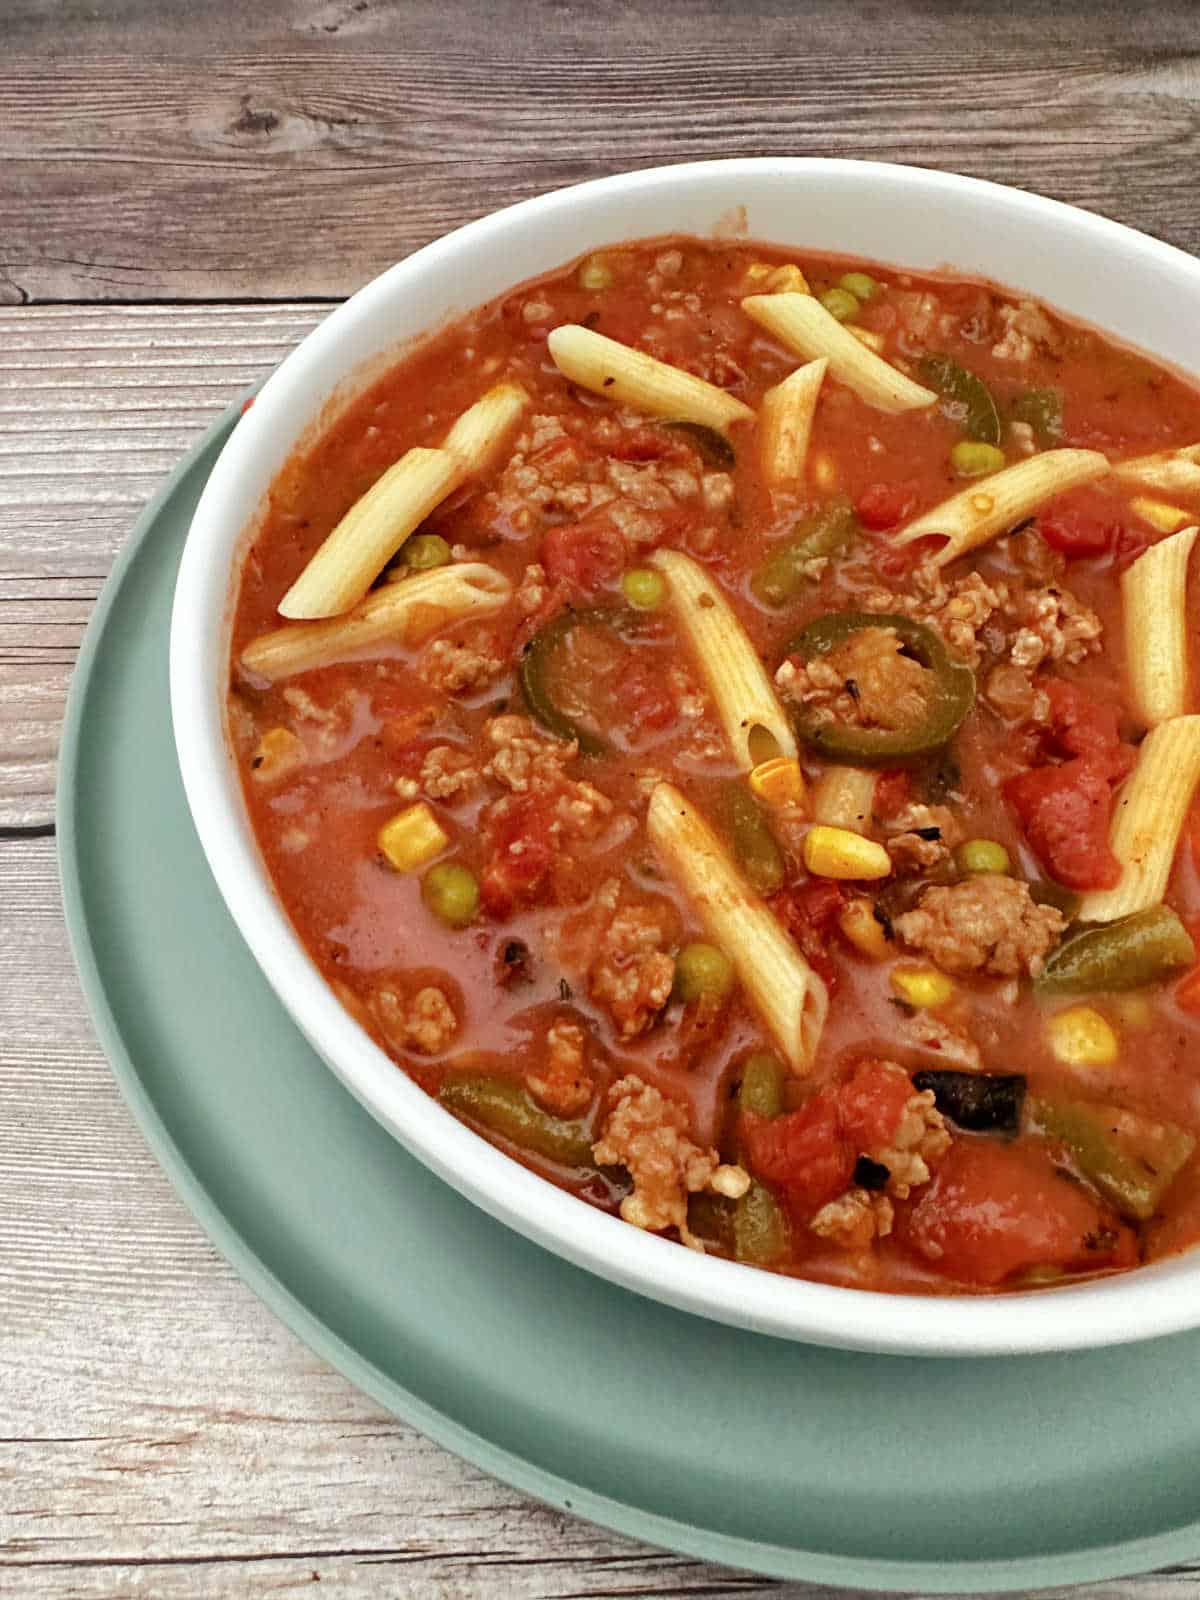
(644,699)
(872,1102)
(886,505)
(522,853)
(1081,726)
(808,911)
(993,1209)
(646,444)
(587,557)
(1075,533)
(893,791)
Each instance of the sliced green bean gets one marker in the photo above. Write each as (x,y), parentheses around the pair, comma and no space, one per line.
(753,842)
(761,1234)
(505,1107)
(1131,1159)
(966,399)
(764,1077)
(1137,950)
(828,532)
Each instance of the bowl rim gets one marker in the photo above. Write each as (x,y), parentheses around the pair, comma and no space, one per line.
(1148,1302)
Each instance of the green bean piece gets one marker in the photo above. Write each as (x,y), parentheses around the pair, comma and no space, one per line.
(860,284)
(764,1078)
(710,1217)
(713,447)
(952,696)
(1137,950)
(503,1106)
(761,1234)
(702,970)
(784,575)
(451,893)
(840,303)
(424,551)
(966,399)
(1043,410)
(754,844)
(1131,1159)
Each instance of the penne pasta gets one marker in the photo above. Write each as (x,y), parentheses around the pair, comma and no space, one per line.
(406,612)
(368,536)
(1154,597)
(632,378)
(478,434)
(802,323)
(789,996)
(756,725)
(1169,471)
(989,506)
(785,420)
(1148,818)
(844,797)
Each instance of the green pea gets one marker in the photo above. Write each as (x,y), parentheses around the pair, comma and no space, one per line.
(840,303)
(451,894)
(425,551)
(860,284)
(702,970)
(970,459)
(982,855)
(643,588)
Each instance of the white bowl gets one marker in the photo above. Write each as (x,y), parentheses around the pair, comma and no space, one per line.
(1136,288)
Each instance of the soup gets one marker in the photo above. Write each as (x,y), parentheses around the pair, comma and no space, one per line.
(720,719)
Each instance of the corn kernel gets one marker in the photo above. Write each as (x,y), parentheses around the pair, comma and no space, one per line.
(279,750)
(758,272)
(787,280)
(824,470)
(1081,1037)
(863,929)
(1167,519)
(779,782)
(595,273)
(838,853)
(868,336)
(413,837)
(923,987)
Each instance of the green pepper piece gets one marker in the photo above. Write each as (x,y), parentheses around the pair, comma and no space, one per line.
(535,661)
(1131,1159)
(1137,950)
(710,1217)
(505,1107)
(753,842)
(966,399)
(1043,410)
(952,699)
(827,532)
(713,447)
(762,1085)
(761,1233)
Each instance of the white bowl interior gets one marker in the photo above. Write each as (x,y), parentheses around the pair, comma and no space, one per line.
(1143,292)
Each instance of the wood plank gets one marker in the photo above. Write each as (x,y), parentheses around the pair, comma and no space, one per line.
(152,151)
(96,406)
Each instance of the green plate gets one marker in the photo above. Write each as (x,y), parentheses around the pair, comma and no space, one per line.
(793,1461)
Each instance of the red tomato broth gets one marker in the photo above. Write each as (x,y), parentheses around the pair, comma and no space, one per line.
(367,924)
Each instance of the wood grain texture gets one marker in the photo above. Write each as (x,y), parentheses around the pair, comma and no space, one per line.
(152,150)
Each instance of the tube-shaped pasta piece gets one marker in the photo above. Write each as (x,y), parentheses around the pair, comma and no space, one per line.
(789,996)
(844,797)
(478,434)
(991,505)
(803,324)
(632,378)
(785,420)
(368,536)
(407,612)
(1154,597)
(1169,471)
(756,725)
(1147,820)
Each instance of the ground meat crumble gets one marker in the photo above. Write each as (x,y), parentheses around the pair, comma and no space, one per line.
(563,1085)
(454,668)
(424,1022)
(646,1133)
(920,837)
(632,974)
(865,682)
(988,924)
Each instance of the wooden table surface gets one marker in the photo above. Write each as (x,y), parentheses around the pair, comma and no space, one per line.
(184,188)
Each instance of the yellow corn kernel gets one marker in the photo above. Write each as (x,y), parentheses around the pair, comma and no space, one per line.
(824,470)
(595,273)
(413,837)
(1167,519)
(868,336)
(862,927)
(838,853)
(1081,1037)
(923,987)
(779,782)
(279,750)
(787,280)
